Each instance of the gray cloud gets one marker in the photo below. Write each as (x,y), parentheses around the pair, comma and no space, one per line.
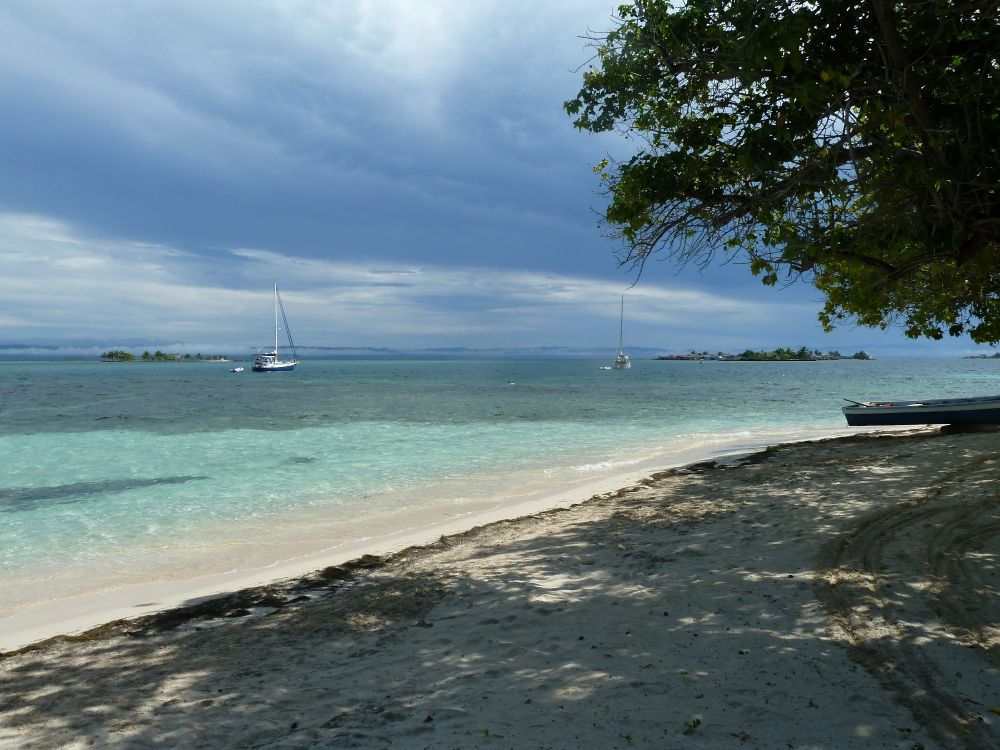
(404,169)
(413,129)
(65,286)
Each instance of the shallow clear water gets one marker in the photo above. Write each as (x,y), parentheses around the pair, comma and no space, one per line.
(128,467)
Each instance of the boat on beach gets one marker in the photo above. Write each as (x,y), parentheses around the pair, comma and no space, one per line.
(271,361)
(622,361)
(974,410)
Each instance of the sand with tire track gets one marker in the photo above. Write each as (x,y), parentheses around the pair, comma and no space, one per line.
(833,594)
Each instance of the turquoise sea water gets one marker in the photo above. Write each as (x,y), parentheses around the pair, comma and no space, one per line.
(121,470)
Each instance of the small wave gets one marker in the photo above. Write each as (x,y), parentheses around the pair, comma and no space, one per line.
(607,465)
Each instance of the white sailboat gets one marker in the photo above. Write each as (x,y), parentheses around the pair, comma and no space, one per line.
(621,359)
(272,361)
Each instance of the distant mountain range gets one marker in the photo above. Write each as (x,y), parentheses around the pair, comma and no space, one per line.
(88,350)
(91,349)
(463,351)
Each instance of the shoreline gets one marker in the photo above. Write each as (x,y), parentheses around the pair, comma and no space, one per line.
(73,615)
(839,594)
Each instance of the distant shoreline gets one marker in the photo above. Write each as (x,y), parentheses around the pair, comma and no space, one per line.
(118,355)
(775,355)
(149,361)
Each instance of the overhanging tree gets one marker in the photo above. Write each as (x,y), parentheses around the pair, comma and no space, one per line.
(853,143)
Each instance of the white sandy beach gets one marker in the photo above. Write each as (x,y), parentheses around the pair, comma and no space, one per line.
(832,594)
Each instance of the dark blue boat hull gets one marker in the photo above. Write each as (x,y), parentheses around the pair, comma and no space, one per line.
(938,411)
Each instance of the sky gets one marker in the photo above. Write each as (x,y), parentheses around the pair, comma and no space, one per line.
(404,171)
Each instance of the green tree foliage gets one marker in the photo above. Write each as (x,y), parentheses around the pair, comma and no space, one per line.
(855,143)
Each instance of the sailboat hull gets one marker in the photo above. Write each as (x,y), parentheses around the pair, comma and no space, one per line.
(283,367)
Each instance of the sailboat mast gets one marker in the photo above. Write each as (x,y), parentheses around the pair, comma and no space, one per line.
(621,326)
(276,320)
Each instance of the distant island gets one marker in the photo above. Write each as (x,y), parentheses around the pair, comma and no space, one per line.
(983,356)
(117,355)
(775,355)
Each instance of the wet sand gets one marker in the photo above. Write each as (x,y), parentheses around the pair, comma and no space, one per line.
(831,594)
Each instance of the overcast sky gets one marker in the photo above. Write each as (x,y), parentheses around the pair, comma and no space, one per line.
(403,171)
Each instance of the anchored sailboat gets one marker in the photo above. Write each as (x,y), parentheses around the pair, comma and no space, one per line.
(271,361)
(621,359)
